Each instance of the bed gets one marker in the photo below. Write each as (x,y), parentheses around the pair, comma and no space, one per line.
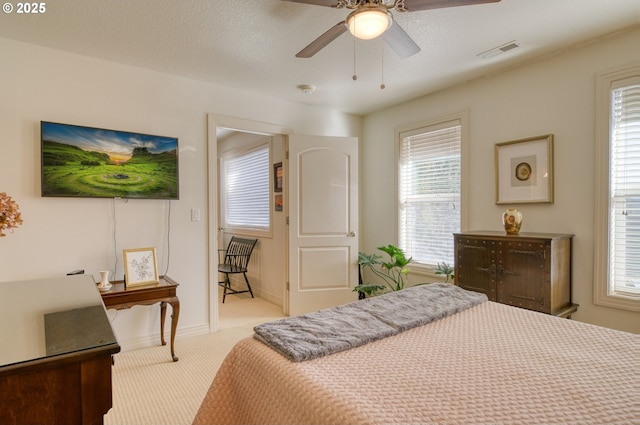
(487,363)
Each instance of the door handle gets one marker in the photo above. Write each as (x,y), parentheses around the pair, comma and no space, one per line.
(491,269)
(351,234)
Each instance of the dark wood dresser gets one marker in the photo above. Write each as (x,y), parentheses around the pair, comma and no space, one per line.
(528,270)
(56,352)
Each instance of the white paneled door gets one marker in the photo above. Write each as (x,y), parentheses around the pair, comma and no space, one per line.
(323,222)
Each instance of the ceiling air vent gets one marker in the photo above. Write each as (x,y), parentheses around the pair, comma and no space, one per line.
(500,49)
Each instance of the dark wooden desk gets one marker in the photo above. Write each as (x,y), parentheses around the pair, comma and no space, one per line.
(120,297)
(56,352)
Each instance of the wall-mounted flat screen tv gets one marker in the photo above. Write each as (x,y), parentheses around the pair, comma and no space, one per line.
(89,162)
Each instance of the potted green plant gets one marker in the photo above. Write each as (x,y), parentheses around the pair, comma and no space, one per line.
(392,271)
(444,269)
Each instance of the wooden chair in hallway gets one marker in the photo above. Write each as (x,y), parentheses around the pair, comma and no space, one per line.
(235,260)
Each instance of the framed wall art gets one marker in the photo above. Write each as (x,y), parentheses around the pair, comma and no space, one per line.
(524,170)
(277,177)
(140,267)
(277,202)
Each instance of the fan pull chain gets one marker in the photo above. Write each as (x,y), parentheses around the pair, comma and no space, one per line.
(382,86)
(355,76)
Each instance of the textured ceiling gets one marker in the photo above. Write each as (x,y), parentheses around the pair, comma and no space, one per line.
(250,44)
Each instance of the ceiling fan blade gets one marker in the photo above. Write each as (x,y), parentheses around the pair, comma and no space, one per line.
(329,3)
(322,41)
(400,41)
(413,5)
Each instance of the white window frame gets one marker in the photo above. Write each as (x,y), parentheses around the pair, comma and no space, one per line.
(462,117)
(234,153)
(604,292)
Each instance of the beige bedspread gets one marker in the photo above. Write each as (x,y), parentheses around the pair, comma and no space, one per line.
(491,364)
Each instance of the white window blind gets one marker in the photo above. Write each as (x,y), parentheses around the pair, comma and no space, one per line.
(246,189)
(624,180)
(429,191)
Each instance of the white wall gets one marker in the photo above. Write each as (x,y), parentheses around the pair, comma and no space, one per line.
(555,95)
(62,234)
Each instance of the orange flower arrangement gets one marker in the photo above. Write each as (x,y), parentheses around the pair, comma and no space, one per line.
(9,214)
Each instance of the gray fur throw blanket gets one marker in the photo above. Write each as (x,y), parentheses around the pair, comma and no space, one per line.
(350,325)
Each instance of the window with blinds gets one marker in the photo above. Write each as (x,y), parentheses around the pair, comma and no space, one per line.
(616,265)
(429,180)
(624,181)
(246,189)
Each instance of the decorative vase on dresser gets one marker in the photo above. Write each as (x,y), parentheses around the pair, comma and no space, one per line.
(512,221)
(528,270)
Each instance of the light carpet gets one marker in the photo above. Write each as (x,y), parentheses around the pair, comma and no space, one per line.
(150,389)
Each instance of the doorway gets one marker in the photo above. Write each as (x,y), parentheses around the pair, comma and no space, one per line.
(316,247)
(268,271)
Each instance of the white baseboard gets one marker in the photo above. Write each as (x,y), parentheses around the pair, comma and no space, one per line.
(154,339)
(270,298)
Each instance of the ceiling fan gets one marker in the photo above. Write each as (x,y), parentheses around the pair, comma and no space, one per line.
(372,18)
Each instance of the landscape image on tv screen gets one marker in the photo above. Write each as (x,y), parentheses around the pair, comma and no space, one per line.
(97,163)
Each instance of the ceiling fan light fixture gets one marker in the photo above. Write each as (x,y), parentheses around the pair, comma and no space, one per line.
(369,23)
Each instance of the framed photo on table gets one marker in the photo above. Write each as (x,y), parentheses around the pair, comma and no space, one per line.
(524,170)
(140,267)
